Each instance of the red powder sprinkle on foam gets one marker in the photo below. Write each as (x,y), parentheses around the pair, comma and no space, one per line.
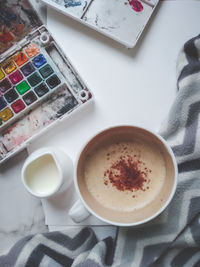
(127,173)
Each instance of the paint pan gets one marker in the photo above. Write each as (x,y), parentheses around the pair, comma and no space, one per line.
(121,20)
(38,84)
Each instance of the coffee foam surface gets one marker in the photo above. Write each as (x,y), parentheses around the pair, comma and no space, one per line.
(108,195)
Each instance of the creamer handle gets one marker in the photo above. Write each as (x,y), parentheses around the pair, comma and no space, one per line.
(78,212)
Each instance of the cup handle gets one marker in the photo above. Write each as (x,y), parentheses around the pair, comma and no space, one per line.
(78,212)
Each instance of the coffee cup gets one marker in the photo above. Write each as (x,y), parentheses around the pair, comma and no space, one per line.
(125,176)
(46,172)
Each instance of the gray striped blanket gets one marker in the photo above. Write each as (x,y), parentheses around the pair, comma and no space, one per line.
(172,239)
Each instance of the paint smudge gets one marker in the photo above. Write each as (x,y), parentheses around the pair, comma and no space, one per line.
(72,3)
(8,17)
(136,5)
(55,106)
(17,19)
(5,36)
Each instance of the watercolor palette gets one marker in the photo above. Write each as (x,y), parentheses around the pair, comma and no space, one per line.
(121,20)
(38,84)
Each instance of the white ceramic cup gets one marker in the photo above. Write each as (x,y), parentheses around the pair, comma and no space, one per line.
(86,205)
(53,165)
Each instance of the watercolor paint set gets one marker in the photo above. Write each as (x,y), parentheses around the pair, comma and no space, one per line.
(121,20)
(39,87)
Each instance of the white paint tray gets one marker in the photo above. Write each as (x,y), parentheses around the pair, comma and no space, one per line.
(121,20)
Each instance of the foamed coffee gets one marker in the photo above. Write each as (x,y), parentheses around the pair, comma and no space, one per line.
(125,174)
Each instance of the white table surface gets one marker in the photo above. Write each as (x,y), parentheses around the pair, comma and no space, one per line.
(135,86)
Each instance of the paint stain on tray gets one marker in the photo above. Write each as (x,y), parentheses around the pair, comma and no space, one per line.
(136,5)
(72,3)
